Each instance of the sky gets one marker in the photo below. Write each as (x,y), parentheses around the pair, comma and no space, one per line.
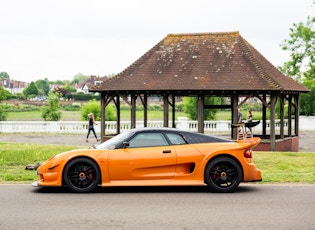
(58,39)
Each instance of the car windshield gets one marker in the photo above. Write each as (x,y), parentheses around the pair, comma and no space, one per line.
(113,142)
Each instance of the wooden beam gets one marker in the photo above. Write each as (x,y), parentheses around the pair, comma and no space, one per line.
(242,102)
(145,110)
(264,116)
(201,112)
(105,100)
(282,116)
(296,114)
(165,108)
(117,103)
(273,99)
(217,106)
(133,110)
(173,112)
(263,100)
(234,103)
(102,116)
(290,116)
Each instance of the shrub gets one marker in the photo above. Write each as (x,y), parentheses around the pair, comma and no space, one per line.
(73,107)
(93,106)
(52,112)
(3,114)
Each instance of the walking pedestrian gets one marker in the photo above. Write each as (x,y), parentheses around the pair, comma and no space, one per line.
(91,127)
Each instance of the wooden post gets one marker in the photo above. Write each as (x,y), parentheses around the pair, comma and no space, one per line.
(117,103)
(201,112)
(102,116)
(296,114)
(282,116)
(234,103)
(173,111)
(290,116)
(273,99)
(264,117)
(133,111)
(165,108)
(145,110)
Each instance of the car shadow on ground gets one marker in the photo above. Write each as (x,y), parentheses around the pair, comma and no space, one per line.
(146,189)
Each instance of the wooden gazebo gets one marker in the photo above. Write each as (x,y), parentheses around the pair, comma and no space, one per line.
(206,64)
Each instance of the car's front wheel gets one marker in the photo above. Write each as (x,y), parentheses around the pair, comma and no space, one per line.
(81,175)
(223,174)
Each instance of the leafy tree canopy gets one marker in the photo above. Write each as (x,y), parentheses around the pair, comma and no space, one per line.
(4,75)
(191,107)
(93,106)
(301,65)
(301,46)
(42,86)
(31,90)
(52,111)
(4,94)
(78,77)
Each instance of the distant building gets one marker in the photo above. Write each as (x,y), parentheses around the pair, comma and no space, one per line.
(91,81)
(13,86)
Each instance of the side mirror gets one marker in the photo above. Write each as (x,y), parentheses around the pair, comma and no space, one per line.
(126,144)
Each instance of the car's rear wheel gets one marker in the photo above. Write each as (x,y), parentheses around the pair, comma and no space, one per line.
(81,175)
(223,174)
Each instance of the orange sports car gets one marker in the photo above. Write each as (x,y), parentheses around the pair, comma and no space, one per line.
(154,157)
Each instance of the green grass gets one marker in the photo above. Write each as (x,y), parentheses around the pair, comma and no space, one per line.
(276,167)
(76,115)
(286,167)
(37,116)
(14,158)
(25,116)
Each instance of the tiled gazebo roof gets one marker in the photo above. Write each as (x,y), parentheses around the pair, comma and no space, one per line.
(201,62)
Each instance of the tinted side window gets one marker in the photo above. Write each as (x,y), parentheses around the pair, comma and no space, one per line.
(175,139)
(147,140)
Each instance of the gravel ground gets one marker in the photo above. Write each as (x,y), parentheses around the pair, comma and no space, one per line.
(306,141)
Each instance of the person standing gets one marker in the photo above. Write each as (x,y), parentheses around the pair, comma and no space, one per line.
(91,127)
(250,116)
(239,116)
(249,120)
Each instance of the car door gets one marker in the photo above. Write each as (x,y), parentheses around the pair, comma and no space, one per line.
(148,157)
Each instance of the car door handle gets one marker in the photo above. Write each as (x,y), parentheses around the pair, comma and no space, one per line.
(167,151)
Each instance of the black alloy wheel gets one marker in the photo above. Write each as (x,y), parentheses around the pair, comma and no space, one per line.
(81,175)
(223,175)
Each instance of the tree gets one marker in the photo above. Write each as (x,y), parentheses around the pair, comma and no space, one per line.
(191,107)
(43,86)
(301,46)
(52,111)
(3,95)
(30,91)
(4,75)
(65,90)
(301,65)
(78,77)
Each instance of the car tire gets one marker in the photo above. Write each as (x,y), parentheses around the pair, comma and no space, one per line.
(81,175)
(223,174)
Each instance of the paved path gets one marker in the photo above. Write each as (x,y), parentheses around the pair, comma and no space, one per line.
(306,141)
